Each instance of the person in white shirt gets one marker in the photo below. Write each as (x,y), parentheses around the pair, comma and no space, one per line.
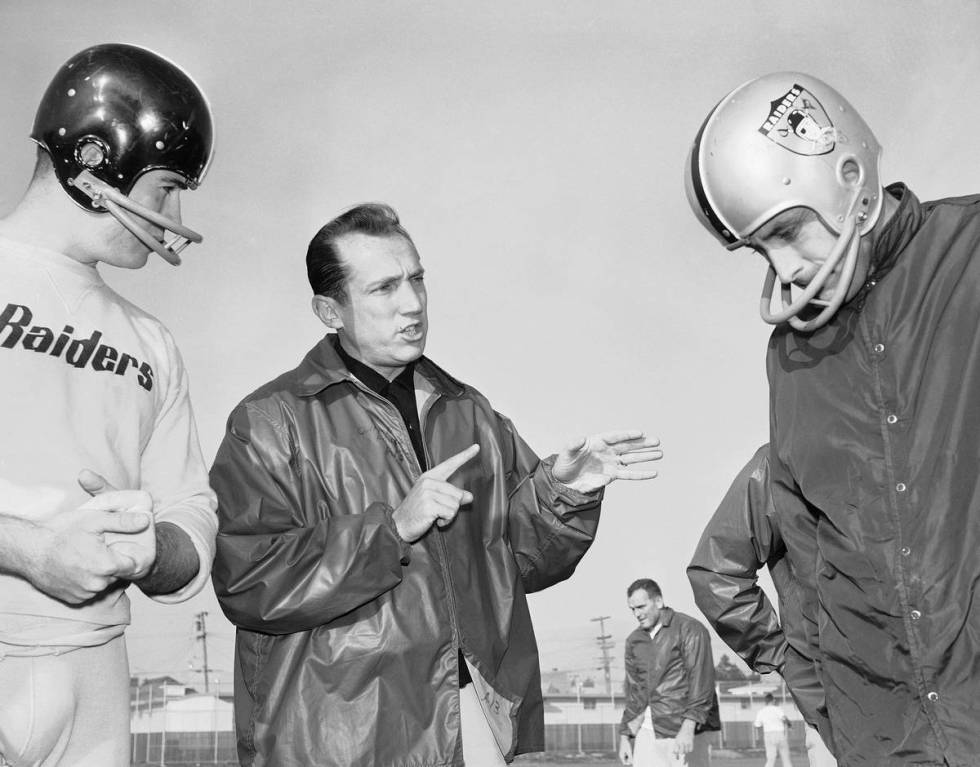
(93,397)
(775,727)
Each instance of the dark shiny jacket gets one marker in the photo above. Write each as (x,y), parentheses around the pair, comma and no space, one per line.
(347,642)
(741,538)
(673,674)
(875,442)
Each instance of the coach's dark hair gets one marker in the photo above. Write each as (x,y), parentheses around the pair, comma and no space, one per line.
(649,586)
(768,698)
(326,272)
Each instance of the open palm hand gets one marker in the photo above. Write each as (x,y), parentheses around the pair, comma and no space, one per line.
(593,462)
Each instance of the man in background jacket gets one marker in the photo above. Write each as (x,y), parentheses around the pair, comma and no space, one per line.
(381,608)
(671,704)
(874,374)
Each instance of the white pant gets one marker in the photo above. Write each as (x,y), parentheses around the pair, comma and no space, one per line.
(651,751)
(777,743)
(480,748)
(66,710)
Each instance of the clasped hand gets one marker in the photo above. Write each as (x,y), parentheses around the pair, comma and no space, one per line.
(80,553)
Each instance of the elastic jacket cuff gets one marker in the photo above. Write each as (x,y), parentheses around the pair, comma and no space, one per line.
(552,490)
(404,547)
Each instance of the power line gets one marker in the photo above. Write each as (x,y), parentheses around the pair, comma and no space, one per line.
(605,645)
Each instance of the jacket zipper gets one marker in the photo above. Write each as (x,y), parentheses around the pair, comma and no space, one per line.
(443,548)
(403,437)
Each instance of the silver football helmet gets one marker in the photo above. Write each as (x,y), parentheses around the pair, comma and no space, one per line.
(782,141)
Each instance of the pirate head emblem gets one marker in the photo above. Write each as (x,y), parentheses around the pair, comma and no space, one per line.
(799,123)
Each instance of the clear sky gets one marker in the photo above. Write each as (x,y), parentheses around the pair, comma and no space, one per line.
(535,153)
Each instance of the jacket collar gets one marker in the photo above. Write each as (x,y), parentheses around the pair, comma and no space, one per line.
(666,617)
(322,367)
(897,233)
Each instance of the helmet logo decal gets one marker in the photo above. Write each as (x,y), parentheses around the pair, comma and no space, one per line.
(799,123)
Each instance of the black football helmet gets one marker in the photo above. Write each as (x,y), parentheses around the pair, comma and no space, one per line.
(114,112)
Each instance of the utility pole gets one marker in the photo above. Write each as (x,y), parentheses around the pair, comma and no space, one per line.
(202,635)
(606,645)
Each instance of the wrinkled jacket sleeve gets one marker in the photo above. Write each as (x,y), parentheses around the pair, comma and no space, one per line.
(280,567)
(550,525)
(700,672)
(739,540)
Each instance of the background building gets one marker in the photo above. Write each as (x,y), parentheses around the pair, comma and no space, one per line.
(175,725)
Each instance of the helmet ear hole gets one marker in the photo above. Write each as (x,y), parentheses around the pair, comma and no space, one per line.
(91,152)
(850,172)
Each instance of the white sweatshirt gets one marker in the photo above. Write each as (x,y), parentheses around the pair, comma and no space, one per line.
(89,381)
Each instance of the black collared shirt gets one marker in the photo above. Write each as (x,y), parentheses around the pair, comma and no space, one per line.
(400,392)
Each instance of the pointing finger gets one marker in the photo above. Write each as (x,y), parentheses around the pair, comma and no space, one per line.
(449,467)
